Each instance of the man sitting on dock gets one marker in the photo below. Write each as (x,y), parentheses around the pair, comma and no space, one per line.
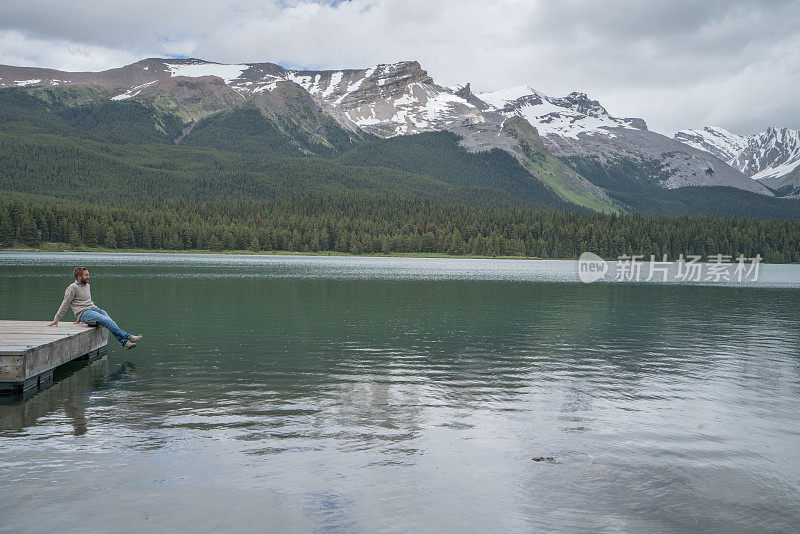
(78,297)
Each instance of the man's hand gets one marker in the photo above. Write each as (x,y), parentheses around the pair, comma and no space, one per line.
(78,322)
(54,323)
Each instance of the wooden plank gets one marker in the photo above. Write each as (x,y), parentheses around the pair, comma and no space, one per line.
(60,330)
(27,340)
(11,325)
(42,329)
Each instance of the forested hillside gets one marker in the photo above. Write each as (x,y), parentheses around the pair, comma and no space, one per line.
(439,155)
(91,171)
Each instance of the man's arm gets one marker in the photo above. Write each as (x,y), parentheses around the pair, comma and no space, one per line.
(69,294)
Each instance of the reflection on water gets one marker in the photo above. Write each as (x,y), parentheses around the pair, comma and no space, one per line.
(72,383)
(286,394)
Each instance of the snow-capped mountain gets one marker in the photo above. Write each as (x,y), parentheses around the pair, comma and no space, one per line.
(387,99)
(580,129)
(401,98)
(563,117)
(769,154)
(772,157)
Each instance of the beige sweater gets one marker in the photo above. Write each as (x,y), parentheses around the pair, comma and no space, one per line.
(77,297)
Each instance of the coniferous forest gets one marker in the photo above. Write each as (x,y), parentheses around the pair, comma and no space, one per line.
(361,224)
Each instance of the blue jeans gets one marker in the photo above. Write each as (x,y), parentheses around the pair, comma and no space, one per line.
(101,317)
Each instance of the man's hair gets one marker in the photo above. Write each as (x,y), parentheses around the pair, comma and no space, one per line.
(79,270)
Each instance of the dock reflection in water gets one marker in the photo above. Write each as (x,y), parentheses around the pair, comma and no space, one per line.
(73,382)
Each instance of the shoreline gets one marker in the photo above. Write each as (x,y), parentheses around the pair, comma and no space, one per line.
(274,253)
(421,255)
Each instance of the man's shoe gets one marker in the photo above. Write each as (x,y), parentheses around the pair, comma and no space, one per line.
(135,338)
(129,345)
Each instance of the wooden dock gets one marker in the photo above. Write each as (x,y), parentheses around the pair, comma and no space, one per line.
(31,350)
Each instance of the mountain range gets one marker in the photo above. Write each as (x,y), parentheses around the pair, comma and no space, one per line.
(772,156)
(564,151)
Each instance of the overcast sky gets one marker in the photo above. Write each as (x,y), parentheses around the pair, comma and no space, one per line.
(678,64)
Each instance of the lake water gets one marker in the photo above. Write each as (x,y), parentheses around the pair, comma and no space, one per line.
(283,394)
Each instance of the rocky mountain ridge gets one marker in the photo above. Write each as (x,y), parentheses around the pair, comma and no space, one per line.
(387,100)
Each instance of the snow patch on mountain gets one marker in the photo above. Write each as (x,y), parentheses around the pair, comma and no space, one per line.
(25,83)
(309,83)
(261,87)
(203,68)
(566,117)
(336,79)
(133,91)
(777,170)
